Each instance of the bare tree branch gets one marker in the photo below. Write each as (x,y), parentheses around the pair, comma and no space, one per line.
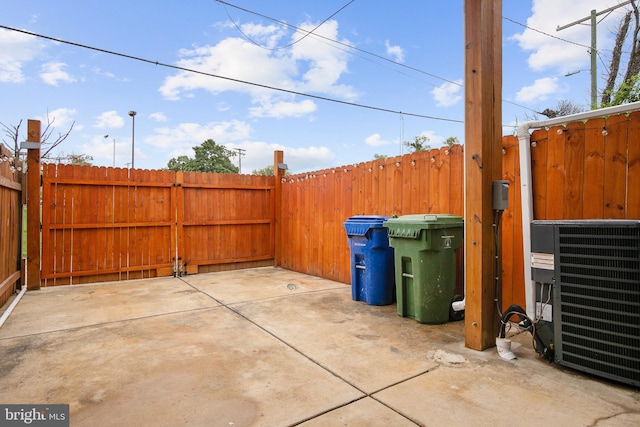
(633,67)
(12,132)
(615,59)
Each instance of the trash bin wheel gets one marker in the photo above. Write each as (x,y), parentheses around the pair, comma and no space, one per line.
(455,316)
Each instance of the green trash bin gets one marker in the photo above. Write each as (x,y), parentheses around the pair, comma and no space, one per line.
(425,264)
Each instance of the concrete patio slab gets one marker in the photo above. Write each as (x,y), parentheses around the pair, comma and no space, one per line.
(204,367)
(369,347)
(64,307)
(524,392)
(240,285)
(364,412)
(276,348)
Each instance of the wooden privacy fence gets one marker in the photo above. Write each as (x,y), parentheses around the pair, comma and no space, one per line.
(113,224)
(584,170)
(316,204)
(10,225)
(101,224)
(587,170)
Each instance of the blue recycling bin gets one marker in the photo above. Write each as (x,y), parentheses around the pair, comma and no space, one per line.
(372,268)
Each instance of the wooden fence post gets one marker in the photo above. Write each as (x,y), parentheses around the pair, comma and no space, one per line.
(278,172)
(483,159)
(33,204)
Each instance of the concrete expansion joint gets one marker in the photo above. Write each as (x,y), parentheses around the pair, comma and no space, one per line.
(111,322)
(613,417)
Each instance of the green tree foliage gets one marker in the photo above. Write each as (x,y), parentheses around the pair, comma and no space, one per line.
(628,91)
(209,157)
(419,143)
(379,157)
(268,171)
(451,141)
(79,159)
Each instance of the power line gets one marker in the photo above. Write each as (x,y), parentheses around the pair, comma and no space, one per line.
(189,70)
(290,44)
(545,34)
(300,30)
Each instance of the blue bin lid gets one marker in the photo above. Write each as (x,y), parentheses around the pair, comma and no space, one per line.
(359,225)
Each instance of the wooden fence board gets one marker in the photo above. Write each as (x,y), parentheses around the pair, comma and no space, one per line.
(509,147)
(615,166)
(539,144)
(593,190)
(11,220)
(633,179)
(555,173)
(456,193)
(574,170)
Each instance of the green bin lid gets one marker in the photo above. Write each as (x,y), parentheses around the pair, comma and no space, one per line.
(409,226)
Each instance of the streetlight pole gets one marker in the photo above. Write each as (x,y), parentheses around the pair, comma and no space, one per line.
(114,149)
(133,136)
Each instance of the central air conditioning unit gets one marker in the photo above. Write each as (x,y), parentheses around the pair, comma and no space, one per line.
(587,275)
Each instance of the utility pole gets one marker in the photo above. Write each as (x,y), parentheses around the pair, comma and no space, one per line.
(241,152)
(594,48)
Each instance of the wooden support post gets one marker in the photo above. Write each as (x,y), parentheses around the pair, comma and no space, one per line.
(483,161)
(33,206)
(278,173)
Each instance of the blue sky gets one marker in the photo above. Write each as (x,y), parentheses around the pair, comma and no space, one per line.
(403,56)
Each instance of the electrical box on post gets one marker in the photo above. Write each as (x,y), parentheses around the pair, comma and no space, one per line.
(500,195)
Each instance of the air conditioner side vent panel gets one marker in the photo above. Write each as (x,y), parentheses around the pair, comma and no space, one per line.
(596,297)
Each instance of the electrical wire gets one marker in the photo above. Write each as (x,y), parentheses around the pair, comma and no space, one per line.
(307,33)
(399,64)
(497,216)
(556,37)
(340,43)
(545,34)
(203,73)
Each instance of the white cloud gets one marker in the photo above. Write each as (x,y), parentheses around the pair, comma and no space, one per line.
(309,65)
(179,140)
(109,119)
(234,58)
(16,49)
(396,51)
(267,36)
(539,90)
(62,117)
(101,148)
(52,73)
(324,64)
(448,94)
(170,142)
(299,159)
(553,53)
(283,109)
(376,140)
(158,117)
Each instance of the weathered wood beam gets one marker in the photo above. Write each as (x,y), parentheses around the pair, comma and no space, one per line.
(483,160)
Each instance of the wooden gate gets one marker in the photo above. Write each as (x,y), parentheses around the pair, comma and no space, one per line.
(106,224)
